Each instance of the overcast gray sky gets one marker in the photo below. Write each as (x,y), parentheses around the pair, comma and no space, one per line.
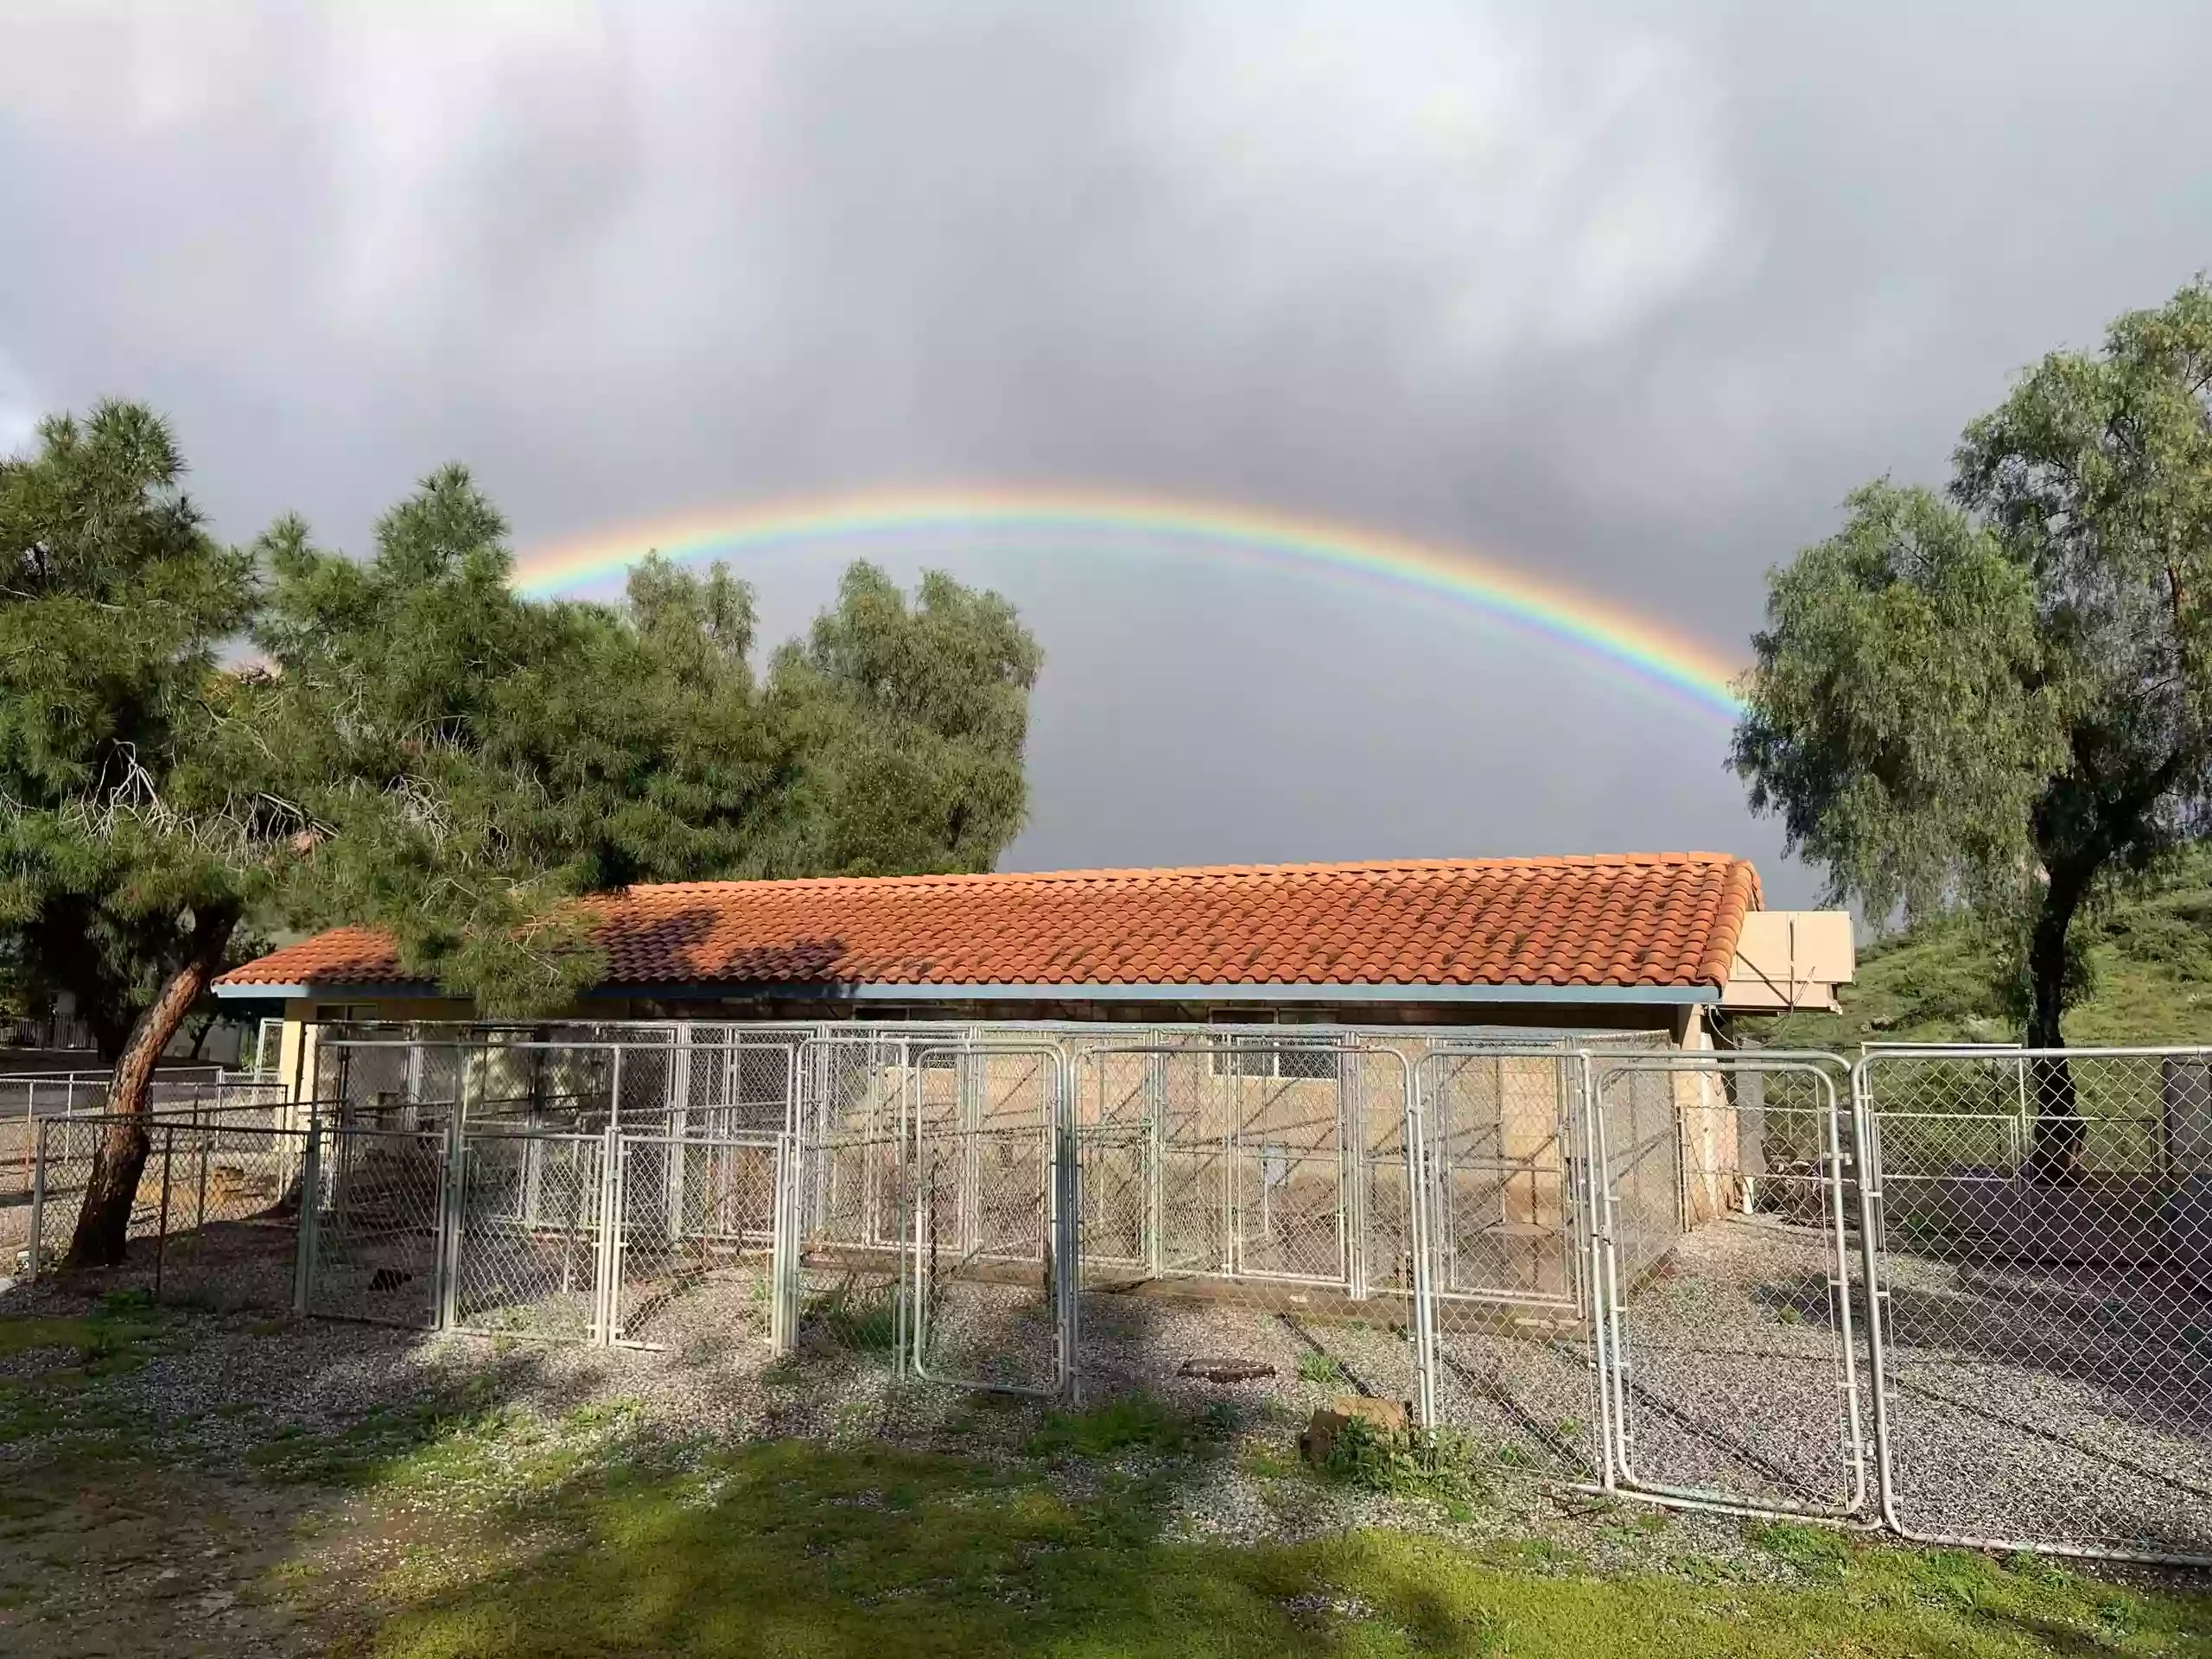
(1628,295)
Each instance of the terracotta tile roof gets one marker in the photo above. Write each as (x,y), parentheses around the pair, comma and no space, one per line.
(1650,919)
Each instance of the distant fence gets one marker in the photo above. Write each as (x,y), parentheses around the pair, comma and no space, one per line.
(1962,1294)
(191,1093)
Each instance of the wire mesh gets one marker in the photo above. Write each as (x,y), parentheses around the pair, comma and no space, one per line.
(527,1234)
(1244,1213)
(989,1306)
(695,1241)
(1734,1355)
(229,1207)
(1515,1359)
(2045,1226)
(1646,1267)
(66,1150)
(376,1232)
(851,1237)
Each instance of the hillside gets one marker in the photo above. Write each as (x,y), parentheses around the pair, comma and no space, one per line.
(2153,953)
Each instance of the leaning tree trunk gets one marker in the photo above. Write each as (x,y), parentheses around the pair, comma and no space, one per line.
(2056,1157)
(104,1223)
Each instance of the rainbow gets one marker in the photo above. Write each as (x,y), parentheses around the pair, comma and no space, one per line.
(1601,635)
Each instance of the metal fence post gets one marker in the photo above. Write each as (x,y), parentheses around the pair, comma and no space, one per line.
(1867,1148)
(38,1200)
(452,1200)
(1156,1155)
(608,1264)
(1599,1214)
(779,1244)
(310,1216)
(1424,1309)
(161,1227)
(1067,1227)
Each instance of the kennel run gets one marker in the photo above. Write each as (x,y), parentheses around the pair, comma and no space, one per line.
(1964,1294)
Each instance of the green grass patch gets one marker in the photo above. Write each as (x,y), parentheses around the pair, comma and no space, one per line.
(796,1549)
(1318,1367)
(1816,1552)
(1126,1421)
(863,1317)
(1444,1468)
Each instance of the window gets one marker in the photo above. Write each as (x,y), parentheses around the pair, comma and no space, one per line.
(1292,1054)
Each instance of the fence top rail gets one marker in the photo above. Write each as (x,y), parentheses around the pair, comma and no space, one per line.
(1882,1045)
(488,1043)
(1817,1062)
(1997,1053)
(1504,1048)
(2012,1115)
(759,1140)
(163,1073)
(608,1034)
(166,1125)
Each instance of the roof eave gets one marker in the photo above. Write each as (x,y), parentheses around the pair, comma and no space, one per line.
(1673,996)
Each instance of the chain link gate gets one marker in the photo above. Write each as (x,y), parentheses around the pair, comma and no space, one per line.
(2044,1221)
(1245,1202)
(1727,1227)
(695,1239)
(374,1241)
(525,1255)
(1511,1321)
(993,1193)
(843,1283)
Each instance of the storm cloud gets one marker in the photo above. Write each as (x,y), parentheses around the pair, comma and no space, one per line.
(1624,296)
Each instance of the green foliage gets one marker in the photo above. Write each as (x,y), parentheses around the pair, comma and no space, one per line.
(2006,698)
(1445,1467)
(424,750)
(2148,947)
(479,759)
(908,728)
(115,606)
(1319,1366)
(1894,721)
(1126,1421)
(861,1317)
(1816,1552)
(798,1549)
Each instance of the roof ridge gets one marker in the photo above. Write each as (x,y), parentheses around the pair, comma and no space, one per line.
(1171,872)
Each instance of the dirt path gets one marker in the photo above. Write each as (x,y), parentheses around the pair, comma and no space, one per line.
(143,1562)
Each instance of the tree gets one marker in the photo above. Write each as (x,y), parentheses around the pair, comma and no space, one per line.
(475,762)
(906,728)
(423,750)
(2004,698)
(114,605)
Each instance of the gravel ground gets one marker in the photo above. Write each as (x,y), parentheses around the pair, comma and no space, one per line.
(1736,1377)
(2073,1404)
(240,1382)
(2062,1407)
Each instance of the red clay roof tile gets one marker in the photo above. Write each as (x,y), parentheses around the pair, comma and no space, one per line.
(1642,920)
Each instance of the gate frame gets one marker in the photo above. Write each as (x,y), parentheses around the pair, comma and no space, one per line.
(1354,1046)
(616,1232)
(1601,1067)
(1061,1235)
(1578,1180)
(1865,1114)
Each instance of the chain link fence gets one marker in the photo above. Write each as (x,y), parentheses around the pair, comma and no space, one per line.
(1963,1294)
(695,1244)
(1504,1145)
(1733,1351)
(2042,1225)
